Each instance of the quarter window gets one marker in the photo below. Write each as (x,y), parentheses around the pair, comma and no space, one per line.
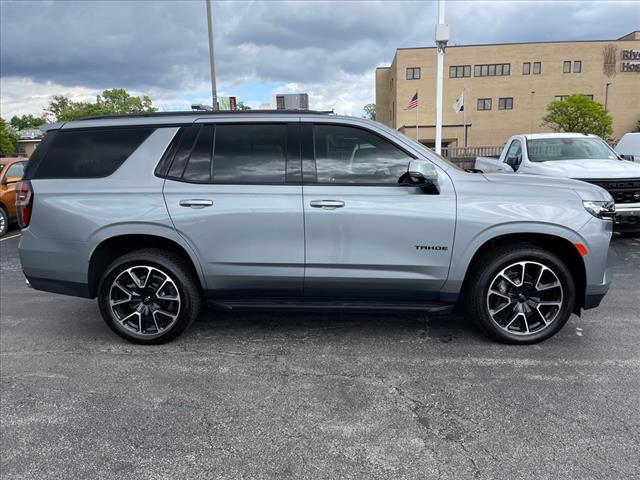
(413,73)
(347,155)
(199,166)
(505,103)
(90,153)
(484,104)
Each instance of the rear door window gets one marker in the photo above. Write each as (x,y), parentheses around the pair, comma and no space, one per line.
(255,153)
(233,154)
(90,153)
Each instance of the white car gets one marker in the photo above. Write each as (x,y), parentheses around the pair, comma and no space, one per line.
(577,156)
(629,147)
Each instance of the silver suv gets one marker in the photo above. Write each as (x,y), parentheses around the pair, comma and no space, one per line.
(153,214)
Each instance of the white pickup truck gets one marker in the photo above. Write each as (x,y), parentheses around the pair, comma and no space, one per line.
(577,156)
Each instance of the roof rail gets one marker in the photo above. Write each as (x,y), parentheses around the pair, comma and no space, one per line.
(201,113)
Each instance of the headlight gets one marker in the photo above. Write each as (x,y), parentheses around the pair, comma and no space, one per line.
(600,208)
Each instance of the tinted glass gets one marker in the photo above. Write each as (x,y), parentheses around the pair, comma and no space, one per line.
(250,153)
(91,153)
(351,155)
(184,150)
(199,165)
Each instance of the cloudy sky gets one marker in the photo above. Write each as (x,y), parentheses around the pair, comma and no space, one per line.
(328,49)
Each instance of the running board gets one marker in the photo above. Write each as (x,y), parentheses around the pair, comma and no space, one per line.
(248,304)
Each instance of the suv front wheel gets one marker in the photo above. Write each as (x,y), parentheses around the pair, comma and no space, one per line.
(149,296)
(521,294)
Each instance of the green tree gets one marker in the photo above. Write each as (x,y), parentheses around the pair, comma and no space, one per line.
(115,101)
(8,139)
(370,111)
(242,106)
(578,113)
(26,121)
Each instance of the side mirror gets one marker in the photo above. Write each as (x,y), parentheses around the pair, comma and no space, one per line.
(422,174)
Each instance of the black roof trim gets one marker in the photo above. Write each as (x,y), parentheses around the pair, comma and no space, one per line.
(201,113)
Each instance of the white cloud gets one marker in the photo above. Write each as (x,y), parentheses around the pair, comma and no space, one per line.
(20,95)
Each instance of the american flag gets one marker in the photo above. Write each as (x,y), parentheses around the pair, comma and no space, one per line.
(413,103)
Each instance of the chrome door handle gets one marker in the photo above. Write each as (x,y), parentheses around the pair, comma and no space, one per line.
(196,203)
(327,204)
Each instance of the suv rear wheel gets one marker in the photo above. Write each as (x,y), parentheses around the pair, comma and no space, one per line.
(521,294)
(149,296)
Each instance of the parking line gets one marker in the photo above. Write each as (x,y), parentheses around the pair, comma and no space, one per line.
(9,238)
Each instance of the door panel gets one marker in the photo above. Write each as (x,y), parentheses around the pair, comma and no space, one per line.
(250,241)
(384,242)
(228,196)
(366,234)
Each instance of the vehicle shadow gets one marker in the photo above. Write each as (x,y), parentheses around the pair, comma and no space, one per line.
(444,328)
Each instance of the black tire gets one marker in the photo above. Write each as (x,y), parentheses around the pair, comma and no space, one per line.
(485,274)
(160,262)
(4,221)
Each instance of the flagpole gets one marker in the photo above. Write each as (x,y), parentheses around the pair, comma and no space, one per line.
(417,106)
(464,118)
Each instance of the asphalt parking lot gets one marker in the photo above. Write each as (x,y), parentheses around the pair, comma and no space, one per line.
(317,396)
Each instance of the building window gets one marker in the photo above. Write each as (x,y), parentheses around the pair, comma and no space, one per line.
(484,104)
(526,68)
(505,103)
(459,71)
(559,98)
(566,67)
(413,73)
(492,70)
(577,66)
(537,68)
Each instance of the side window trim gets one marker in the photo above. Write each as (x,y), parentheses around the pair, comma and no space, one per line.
(309,162)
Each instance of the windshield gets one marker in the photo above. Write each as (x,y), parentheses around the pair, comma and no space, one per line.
(580,148)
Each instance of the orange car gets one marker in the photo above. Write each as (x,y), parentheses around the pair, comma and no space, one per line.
(11,170)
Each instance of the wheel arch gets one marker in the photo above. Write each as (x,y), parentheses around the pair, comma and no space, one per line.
(113,247)
(557,245)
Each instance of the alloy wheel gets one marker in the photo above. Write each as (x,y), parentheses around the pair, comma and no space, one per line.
(525,298)
(144,300)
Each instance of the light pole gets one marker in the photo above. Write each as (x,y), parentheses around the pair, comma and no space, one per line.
(606,96)
(442,36)
(212,62)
